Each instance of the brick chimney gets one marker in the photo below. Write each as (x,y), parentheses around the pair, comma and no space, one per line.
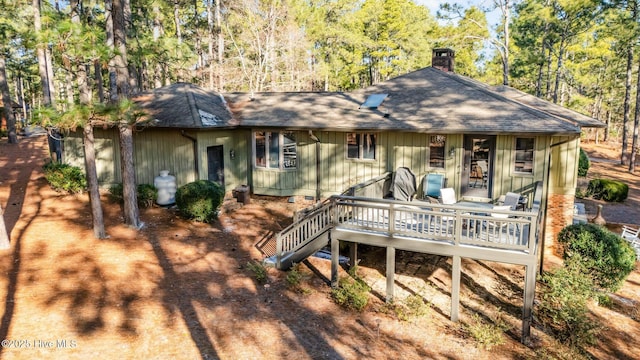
(443,59)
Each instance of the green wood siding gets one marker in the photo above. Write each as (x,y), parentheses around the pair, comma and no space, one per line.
(107,154)
(161,149)
(505,179)
(235,170)
(564,165)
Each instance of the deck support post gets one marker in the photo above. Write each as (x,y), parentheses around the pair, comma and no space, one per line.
(455,287)
(353,254)
(335,254)
(391,270)
(529,295)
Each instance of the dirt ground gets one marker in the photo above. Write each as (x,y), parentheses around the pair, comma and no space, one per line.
(182,290)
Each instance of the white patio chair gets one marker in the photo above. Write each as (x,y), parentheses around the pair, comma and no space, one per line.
(448,197)
(632,235)
(496,228)
(511,199)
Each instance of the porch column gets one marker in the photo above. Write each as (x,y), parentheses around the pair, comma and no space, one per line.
(391,270)
(455,287)
(335,254)
(529,295)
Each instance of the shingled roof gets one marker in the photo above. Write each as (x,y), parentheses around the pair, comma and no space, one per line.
(426,100)
(186,106)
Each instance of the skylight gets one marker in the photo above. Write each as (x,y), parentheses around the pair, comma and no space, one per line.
(373,101)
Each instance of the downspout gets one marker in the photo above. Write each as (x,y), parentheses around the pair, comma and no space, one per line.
(195,151)
(318,182)
(546,202)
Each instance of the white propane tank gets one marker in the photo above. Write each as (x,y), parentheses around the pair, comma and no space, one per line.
(166,185)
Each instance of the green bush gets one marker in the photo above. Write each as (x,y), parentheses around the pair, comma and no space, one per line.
(413,306)
(258,270)
(200,200)
(564,294)
(147,194)
(608,190)
(351,293)
(64,177)
(583,163)
(115,193)
(487,335)
(605,256)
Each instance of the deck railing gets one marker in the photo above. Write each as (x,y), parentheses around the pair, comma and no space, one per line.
(304,230)
(459,225)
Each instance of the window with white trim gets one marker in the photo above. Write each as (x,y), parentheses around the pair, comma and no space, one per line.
(275,149)
(523,162)
(361,146)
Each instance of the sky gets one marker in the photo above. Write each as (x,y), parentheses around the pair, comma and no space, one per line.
(434,5)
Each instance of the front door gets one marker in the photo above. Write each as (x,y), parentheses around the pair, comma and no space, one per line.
(478,166)
(215,164)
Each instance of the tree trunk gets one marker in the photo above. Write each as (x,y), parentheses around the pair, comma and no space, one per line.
(627,107)
(505,61)
(131,211)
(559,67)
(6,103)
(636,121)
(4,235)
(220,43)
(125,132)
(92,183)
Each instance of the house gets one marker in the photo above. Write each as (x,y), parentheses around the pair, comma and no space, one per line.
(485,140)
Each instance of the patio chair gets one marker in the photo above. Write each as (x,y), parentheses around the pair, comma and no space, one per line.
(632,235)
(496,228)
(431,185)
(448,196)
(484,169)
(511,199)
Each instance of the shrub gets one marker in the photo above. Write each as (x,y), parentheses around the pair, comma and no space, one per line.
(351,293)
(583,163)
(605,256)
(115,193)
(64,177)
(564,294)
(258,270)
(413,306)
(147,194)
(608,190)
(487,335)
(200,200)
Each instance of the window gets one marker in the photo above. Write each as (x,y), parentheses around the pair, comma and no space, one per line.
(524,155)
(275,150)
(361,146)
(437,151)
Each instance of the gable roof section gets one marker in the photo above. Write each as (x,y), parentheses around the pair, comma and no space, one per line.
(547,106)
(186,106)
(426,100)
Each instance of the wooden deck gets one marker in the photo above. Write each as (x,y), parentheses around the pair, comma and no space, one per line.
(472,231)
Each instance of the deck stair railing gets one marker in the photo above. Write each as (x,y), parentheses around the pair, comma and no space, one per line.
(308,227)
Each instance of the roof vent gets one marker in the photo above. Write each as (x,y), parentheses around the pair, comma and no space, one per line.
(373,101)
